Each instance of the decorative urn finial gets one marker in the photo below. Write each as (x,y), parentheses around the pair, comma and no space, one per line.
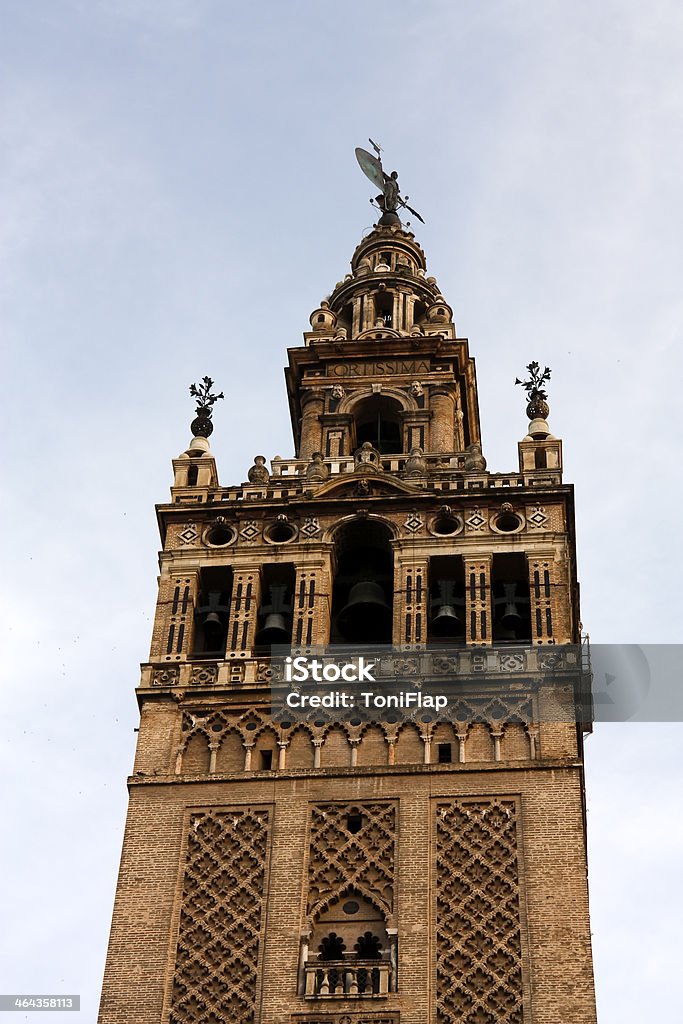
(202,426)
(537,408)
(537,396)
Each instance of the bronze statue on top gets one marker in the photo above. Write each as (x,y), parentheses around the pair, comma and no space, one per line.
(390,197)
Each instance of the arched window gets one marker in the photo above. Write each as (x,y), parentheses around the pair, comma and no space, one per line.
(378,420)
(384,307)
(332,947)
(192,475)
(368,947)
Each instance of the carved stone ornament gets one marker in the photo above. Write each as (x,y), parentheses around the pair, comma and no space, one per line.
(311,526)
(258,474)
(316,470)
(415,467)
(338,391)
(203,675)
(367,459)
(474,460)
(165,676)
(416,388)
(414,522)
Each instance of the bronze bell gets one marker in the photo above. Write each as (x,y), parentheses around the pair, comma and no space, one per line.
(447,622)
(212,619)
(366,616)
(273,631)
(510,618)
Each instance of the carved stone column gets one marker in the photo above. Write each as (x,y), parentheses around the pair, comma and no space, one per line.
(442,403)
(313,406)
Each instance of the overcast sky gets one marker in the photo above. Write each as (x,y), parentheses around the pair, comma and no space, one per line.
(178,192)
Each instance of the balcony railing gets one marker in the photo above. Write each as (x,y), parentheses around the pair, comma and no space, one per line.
(344,980)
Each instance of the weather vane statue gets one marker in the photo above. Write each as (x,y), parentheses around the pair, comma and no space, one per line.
(390,197)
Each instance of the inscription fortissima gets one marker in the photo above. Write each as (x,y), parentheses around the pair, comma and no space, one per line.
(382,368)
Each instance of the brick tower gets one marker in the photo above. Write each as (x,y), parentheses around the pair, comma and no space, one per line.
(365,866)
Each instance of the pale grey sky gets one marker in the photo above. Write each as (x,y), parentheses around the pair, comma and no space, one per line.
(178,192)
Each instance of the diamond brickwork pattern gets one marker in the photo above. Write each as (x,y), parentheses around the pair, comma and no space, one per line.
(362,860)
(220,922)
(479,973)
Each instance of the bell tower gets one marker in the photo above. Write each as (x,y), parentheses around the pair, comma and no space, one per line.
(398,859)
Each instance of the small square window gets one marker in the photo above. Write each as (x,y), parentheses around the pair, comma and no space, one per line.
(444,753)
(266,760)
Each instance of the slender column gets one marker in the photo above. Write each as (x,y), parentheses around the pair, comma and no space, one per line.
(462,736)
(311,624)
(313,406)
(478,600)
(442,404)
(213,751)
(427,740)
(246,597)
(317,744)
(172,633)
(497,736)
(410,603)
(248,747)
(282,756)
(533,742)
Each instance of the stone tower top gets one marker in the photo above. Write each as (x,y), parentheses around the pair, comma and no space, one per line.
(387,294)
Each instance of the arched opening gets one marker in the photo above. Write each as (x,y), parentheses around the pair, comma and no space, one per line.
(349,950)
(275,614)
(211,612)
(362,593)
(447,599)
(419,312)
(511,604)
(384,307)
(378,420)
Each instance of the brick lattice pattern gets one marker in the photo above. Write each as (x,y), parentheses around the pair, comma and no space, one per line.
(220,923)
(362,860)
(479,974)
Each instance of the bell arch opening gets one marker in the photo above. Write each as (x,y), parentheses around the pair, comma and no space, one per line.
(378,420)
(362,594)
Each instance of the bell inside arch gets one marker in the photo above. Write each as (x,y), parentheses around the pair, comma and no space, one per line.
(447,622)
(510,617)
(274,630)
(367,615)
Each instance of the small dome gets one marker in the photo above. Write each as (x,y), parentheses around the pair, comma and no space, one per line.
(440,312)
(323,319)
